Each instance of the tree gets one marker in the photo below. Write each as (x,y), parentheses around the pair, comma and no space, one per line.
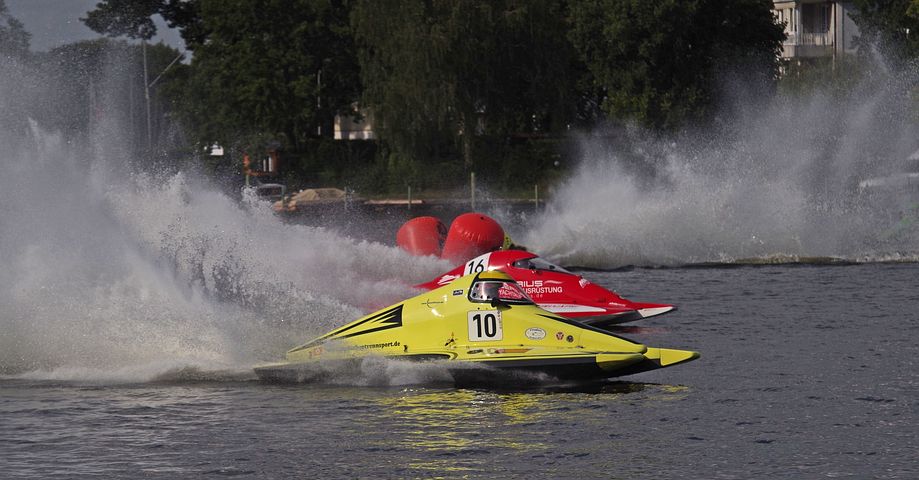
(17,86)
(133,18)
(101,81)
(271,68)
(658,62)
(263,67)
(450,70)
(891,25)
(14,39)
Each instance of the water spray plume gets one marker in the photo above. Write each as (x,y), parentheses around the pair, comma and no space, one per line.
(114,272)
(777,180)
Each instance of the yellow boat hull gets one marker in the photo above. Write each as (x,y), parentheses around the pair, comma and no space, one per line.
(455,326)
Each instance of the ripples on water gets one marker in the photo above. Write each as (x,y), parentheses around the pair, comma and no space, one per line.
(805,372)
(133,304)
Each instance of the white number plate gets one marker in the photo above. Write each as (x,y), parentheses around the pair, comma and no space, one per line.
(477,264)
(485,326)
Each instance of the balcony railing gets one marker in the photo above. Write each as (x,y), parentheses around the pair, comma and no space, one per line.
(823,39)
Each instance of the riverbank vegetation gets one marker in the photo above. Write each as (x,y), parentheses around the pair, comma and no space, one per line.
(502,88)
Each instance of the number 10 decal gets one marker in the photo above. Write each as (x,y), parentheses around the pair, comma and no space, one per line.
(485,325)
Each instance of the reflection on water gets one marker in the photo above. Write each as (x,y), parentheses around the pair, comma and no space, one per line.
(799,378)
(439,427)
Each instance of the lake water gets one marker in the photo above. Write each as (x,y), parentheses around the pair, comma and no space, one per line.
(135,299)
(806,372)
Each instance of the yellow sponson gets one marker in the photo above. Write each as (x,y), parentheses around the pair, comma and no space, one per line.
(461,324)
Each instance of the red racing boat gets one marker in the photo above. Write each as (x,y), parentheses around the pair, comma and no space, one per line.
(555,289)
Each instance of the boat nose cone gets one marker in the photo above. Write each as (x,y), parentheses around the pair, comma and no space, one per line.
(666,357)
(650,312)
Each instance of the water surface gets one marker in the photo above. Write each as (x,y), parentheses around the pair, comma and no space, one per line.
(806,372)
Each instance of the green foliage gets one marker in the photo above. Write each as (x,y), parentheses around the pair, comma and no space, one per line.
(259,71)
(511,166)
(835,76)
(447,71)
(14,39)
(76,71)
(132,18)
(890,25)
(15,84)
(88,94)
(658,61)
(453,85)
(323,162)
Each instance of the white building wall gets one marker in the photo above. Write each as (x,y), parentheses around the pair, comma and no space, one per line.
(354,127)
(816,28)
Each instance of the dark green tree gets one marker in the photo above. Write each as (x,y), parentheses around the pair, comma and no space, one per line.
(891,25)
(451,70)
(17,84)
(272,68)
(133,19)
(262,68)
(101,81)
(659,62)
(14,39)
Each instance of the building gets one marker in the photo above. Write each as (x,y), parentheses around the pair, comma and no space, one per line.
(354,127)
(816,28)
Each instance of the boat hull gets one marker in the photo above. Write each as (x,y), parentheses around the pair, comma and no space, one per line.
(480,325)
(594,366)
(556,289)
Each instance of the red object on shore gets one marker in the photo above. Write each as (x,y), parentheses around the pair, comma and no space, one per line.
(470,235)
(422,236)
(556,289)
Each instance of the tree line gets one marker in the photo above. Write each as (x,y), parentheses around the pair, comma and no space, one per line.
(456,83)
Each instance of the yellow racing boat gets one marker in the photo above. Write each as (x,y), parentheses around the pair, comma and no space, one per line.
(478,324)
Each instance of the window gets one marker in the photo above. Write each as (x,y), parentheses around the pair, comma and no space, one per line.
(508,292)
(537,263)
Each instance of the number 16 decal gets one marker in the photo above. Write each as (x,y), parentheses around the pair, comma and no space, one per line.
(477,264)
(485,325)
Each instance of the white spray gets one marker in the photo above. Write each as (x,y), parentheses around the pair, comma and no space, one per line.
(113,272)
(776,180)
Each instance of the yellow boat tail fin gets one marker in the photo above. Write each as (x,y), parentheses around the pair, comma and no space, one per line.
(655,358)
(666,357)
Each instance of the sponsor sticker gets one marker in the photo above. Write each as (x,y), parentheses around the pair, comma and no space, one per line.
(457,293)
(371,346)
(539,287)
(534,333)
(560,335)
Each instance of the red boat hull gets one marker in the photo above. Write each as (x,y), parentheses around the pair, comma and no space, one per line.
(556,289)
